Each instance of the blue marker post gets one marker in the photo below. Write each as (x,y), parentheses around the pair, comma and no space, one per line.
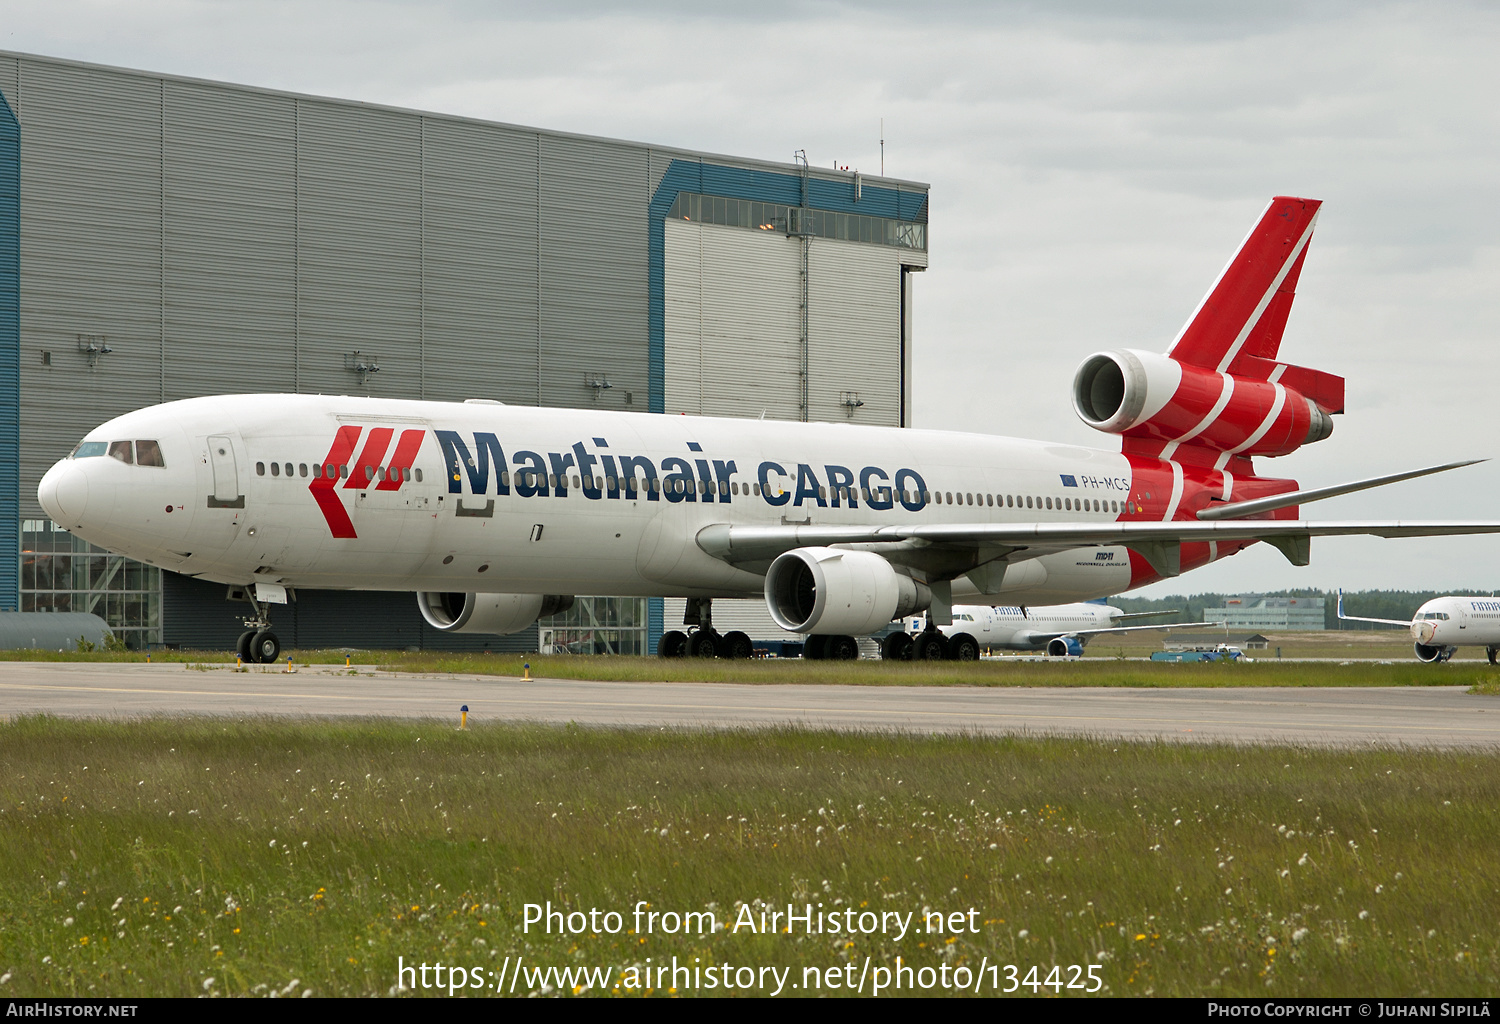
(526,673)
(463,717)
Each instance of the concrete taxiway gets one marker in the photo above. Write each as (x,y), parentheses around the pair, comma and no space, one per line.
(1439,716)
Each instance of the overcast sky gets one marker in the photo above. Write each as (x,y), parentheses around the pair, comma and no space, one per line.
(1093,165)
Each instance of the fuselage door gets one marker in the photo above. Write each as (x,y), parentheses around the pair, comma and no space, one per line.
(227,492)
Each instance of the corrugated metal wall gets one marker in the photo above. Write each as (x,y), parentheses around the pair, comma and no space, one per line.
(220,238)
(10,354)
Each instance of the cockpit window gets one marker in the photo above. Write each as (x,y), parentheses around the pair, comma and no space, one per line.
(90,449)
(148,453)
(121,450)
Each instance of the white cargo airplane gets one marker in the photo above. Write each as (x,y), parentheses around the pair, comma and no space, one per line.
(494,514)
(1444,624)
(1061,630)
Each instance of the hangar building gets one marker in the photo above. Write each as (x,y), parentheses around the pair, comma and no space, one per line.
(165,237)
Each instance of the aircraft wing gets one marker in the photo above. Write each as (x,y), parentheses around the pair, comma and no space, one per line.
(950,549)
(1360,618)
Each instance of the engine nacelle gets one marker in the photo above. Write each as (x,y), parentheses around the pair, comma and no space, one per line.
(1150,395)
(1430,653)
(829,591)
(488,613)
(1065,647)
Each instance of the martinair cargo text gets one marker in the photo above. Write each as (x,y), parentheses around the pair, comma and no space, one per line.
(495,514)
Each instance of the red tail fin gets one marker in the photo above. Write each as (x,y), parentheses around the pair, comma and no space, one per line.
(1245,311)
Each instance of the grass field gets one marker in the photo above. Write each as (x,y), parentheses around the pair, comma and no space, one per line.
(184,856)
(1090,671)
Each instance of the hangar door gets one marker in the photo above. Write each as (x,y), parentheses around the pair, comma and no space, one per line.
(733,339)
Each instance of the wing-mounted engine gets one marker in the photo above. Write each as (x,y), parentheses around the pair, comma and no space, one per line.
(1155,397)
(836,592)
(488,613)
(1220,385)
(1065,647)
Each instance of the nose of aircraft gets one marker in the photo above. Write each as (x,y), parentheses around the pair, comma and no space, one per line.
(64,492)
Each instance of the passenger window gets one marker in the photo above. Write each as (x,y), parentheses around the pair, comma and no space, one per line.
(301,469)
(406,473)
(120,450)
(656,484)
(419,476)
(260,469)
(723,489)
(343,471)
(317,471)
(552,480)
(148,453)
(288,469)
(275,469)
(756,487)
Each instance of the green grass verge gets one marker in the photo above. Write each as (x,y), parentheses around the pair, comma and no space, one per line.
(147,858)
(1085,672)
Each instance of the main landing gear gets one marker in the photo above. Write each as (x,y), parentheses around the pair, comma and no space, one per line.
(1492,650)
(257,644)
(703,641)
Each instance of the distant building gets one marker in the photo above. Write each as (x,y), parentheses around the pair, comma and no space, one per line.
(1278,614)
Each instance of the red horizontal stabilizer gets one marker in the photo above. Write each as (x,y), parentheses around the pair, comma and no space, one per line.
(1245,311)
(1325,389)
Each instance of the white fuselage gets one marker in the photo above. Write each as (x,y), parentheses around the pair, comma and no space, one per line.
(1458,622)
(1015,628)
(482,497)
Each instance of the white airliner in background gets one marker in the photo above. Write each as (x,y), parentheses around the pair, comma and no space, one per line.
(493,515)
(1444,624)
(1061,630)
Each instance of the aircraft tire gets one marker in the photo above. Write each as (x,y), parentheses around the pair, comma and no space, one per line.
(242,646)
(265,647)
(930,647)
(897,647)
(673,644)
(736,646)
(842,648)
(1492,651)
(815,647)
(702,644)
(963,647)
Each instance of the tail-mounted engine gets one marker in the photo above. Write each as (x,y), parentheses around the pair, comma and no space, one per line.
(1153,396)
(488,613)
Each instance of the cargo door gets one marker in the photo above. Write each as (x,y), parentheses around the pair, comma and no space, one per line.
(227,492)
